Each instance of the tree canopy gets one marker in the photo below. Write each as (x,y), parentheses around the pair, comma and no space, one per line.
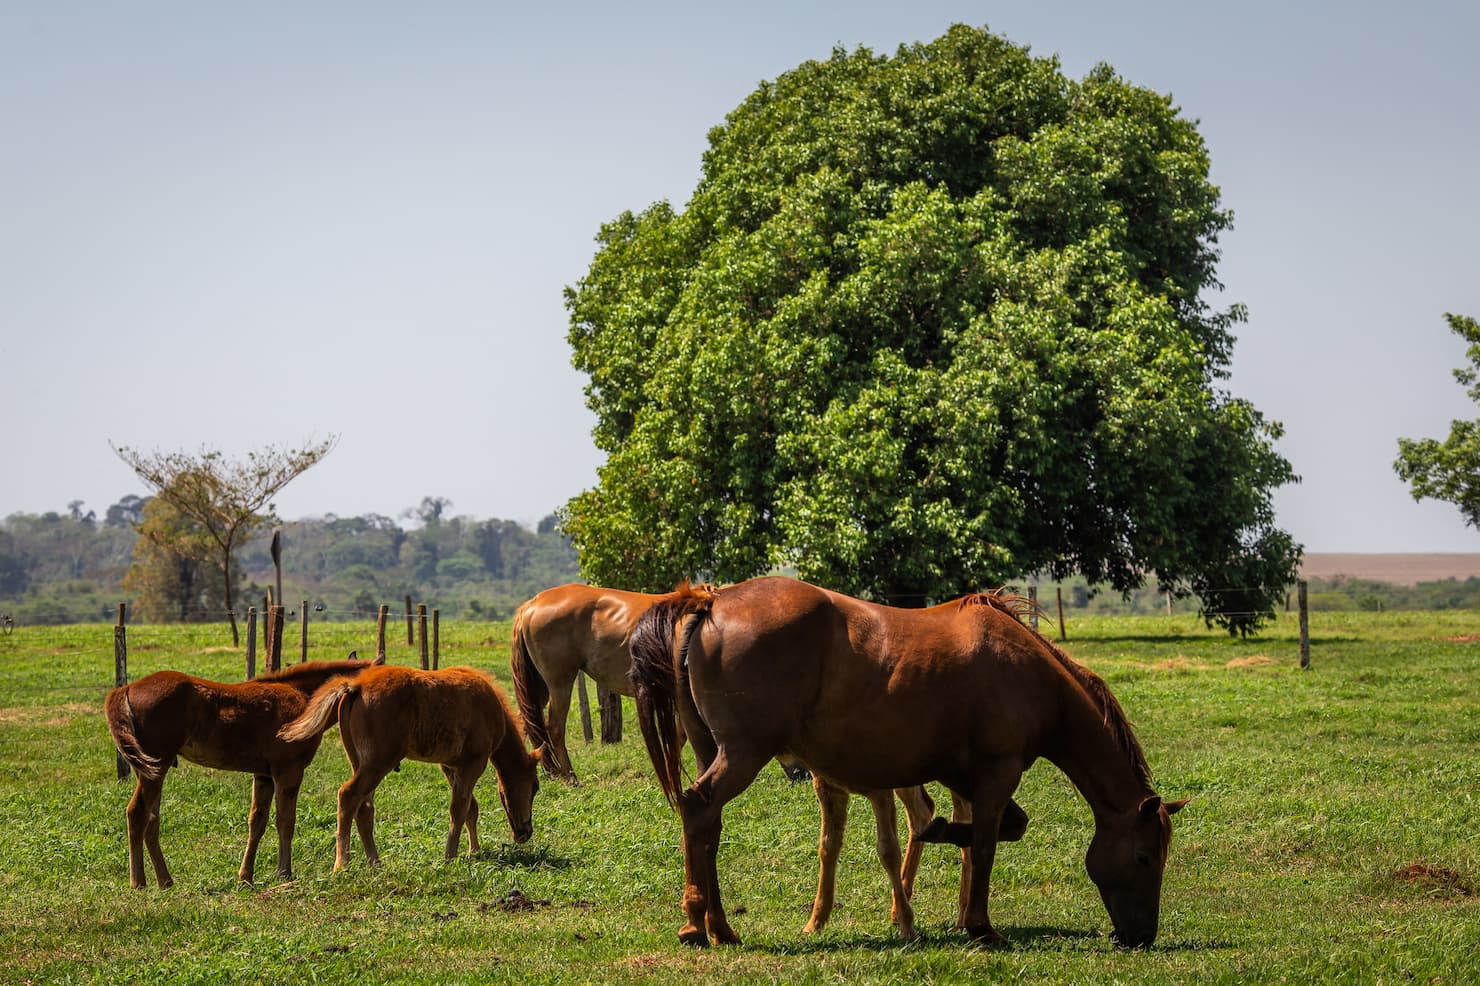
(929,323)
(1450,470)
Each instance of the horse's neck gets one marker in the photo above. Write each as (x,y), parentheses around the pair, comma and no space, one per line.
(510,750)
(1086,750)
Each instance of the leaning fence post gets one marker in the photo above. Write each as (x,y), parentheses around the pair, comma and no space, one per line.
(421,626)
(303,632)
(410,629)
(120,672)
(1304,626)
(276,617)
(251,642)
(384,614)
(1059,591)
(436,639)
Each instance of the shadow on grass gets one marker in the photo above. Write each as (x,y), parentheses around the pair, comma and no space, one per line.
(1028,938)
(530,858)
(1190,638)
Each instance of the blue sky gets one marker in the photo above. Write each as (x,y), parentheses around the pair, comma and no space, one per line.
(235,225)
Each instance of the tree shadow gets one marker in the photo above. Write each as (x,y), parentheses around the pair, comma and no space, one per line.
(525,857)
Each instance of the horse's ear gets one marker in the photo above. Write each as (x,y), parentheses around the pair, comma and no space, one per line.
(354,655)
(538,754)
(1150,804)
(379,659)
(1175,806)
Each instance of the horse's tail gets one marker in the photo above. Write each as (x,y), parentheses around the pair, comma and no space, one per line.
(120,716)
(659,671)
(322,711)
(530,689)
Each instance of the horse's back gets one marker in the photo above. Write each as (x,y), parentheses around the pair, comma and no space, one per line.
(434,716)
(577,627)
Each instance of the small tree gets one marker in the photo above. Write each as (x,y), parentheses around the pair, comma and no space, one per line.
(1450,470)
(173,558)
(228,499)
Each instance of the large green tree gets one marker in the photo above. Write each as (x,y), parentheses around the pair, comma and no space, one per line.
(928,323)
(1450,470)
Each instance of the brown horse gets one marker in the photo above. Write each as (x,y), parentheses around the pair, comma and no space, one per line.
(456,717)
(225,725)
(558,634)
(872,698)
(565,630)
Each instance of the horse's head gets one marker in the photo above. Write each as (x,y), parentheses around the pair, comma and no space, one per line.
(516,789)
(1126,859)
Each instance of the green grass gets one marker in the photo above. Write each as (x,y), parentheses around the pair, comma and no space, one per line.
(1332,837)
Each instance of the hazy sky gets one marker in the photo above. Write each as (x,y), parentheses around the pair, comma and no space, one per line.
(239,225)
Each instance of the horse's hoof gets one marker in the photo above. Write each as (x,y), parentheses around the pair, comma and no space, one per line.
(693,936)
(985,935)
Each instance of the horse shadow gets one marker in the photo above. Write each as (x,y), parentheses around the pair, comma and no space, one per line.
(1020,938)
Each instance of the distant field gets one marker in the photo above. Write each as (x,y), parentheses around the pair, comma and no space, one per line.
(1394,567)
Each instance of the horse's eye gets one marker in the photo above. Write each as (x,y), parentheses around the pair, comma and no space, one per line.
(1143,858)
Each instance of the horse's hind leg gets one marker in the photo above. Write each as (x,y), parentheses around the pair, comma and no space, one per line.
(834,804)
(143,831)
(700,807)
(886,841)
(919,810)
(262,787)
(355,802)
(288,782)
(462,779)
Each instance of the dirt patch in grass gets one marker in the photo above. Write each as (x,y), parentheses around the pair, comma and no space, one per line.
(47,715)
(1440,880)
(1468,638)
(1252,661)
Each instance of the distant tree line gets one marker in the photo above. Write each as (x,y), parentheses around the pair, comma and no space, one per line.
(72,566)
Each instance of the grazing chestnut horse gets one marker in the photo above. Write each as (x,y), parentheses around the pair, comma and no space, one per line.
(558,634)
(571,628)
(456,717)
(225,725)
(871,698)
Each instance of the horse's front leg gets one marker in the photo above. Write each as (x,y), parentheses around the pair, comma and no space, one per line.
(989,798)
(886,840)
(557,758)
(919,810)
(461,779)
(262,787)
(701,807)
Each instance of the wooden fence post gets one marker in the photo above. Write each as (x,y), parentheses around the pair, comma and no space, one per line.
(251,642)
(410,629)
(436,639)
(120,673)
(385,612)
(421,625)
(1033,606)
(1304,626)
(1063,634)
(585,702)
(303,632)
(275,620)
(609,704)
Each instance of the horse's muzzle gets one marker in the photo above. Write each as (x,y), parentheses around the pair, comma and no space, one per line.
(524,832)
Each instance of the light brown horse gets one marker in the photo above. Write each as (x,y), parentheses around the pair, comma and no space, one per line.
(571,628)
(456,717)
(871,698)
(558,634)
(224,725)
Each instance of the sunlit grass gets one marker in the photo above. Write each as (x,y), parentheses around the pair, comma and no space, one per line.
(1331,836)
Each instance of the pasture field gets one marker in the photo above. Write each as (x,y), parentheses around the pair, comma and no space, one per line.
(1333,836)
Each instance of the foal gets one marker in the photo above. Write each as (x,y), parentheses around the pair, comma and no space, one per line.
(225,725)
(456,717)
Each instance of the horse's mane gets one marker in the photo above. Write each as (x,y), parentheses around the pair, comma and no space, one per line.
(1017,607)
